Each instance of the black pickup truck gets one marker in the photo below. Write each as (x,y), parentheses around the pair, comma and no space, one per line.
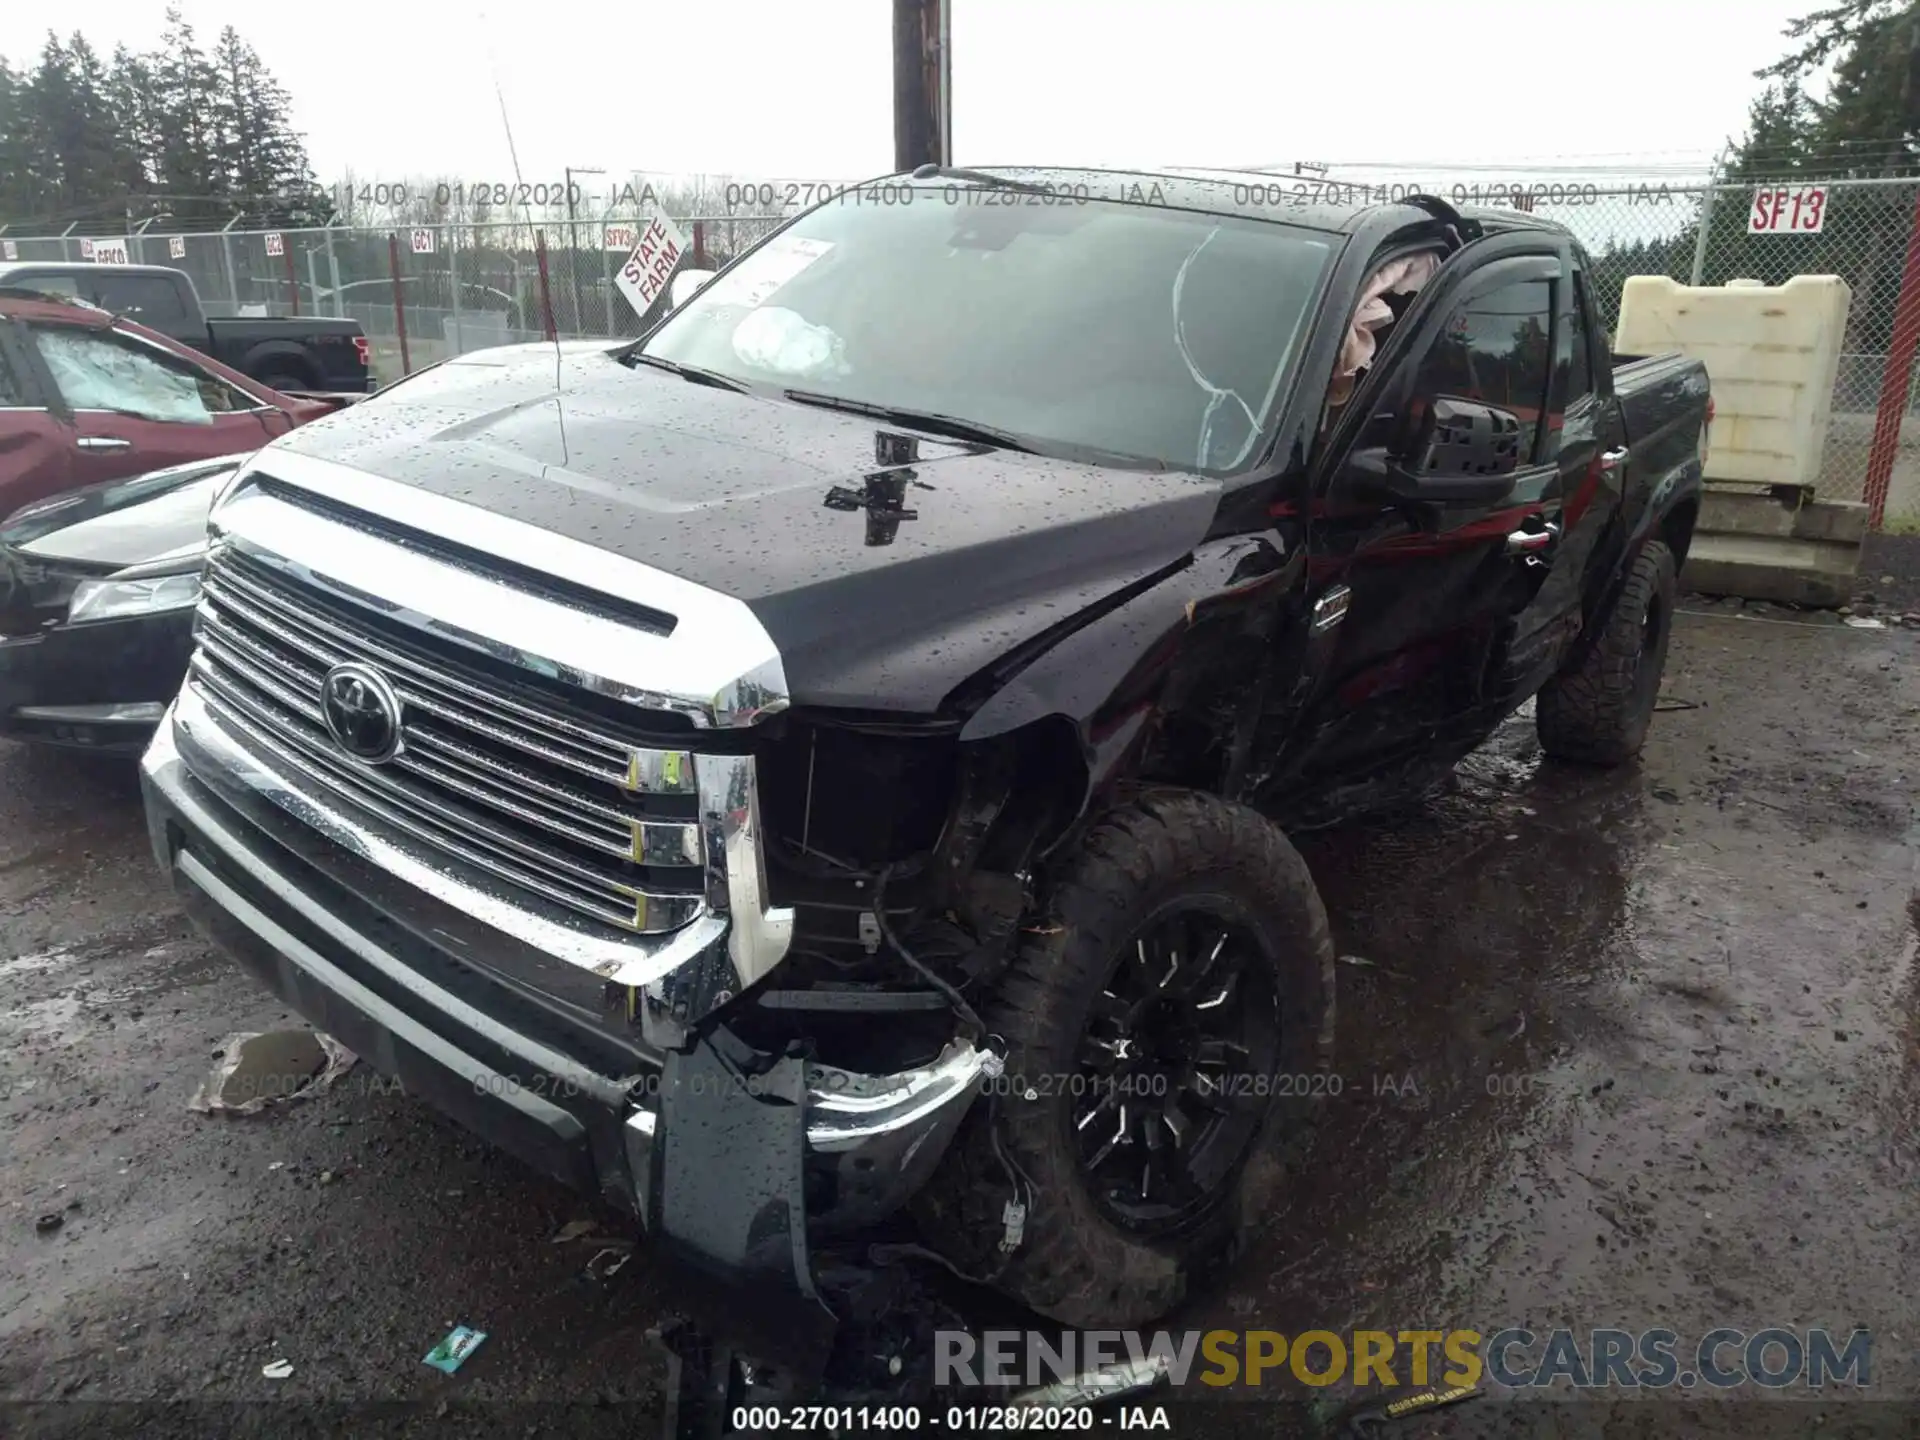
(301,355)
(828,764)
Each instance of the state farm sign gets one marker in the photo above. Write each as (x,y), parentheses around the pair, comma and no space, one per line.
(651,265)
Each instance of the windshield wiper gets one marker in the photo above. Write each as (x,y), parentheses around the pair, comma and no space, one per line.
(694,373)
(979,177)
(948,425)
(954,428)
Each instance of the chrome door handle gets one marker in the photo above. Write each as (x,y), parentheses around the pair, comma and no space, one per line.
(103,442)
(1613,459)
(1526,542)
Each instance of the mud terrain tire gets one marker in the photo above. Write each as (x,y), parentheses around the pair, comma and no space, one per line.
(1151,862)
(1598,712)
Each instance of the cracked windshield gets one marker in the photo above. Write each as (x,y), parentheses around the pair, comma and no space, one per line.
(1137,330)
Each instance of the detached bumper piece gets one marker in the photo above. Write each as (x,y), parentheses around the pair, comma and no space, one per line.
(713,1147)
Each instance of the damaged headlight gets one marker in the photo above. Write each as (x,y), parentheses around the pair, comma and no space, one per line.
(117,597)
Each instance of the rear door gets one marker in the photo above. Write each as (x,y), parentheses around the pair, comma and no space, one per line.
(136,407)
(36,448)
(1583,437)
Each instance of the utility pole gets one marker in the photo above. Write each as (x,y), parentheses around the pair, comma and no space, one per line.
(922,84)
(573,246)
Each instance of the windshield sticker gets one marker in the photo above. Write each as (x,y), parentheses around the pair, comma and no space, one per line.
(770,268)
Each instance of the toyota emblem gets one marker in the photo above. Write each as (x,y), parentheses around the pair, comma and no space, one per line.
(362,712)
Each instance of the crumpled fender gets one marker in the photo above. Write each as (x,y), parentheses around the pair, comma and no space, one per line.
(1106,671)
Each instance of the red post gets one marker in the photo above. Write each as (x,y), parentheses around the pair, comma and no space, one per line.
(293,285)
(1894,381)
(399,303)
(546,295)
(700,245)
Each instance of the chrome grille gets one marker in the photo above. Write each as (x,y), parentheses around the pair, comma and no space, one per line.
(529,794)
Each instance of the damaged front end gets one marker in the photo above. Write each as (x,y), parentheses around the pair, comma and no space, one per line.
(584,881)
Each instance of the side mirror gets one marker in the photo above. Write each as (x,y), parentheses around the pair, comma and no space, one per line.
(1459,451)
(686,285)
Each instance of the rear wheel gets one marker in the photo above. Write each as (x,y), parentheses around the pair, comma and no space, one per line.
(1164,1025)
(284,381)
(1598,713)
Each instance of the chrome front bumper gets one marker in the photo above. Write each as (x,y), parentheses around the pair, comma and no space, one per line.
(220,819)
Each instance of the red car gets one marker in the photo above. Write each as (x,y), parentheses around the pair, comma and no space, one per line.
(87,397)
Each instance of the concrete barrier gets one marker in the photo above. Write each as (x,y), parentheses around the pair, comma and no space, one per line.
(1775,542)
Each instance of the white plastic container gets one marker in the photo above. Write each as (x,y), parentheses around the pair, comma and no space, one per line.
(1772,353)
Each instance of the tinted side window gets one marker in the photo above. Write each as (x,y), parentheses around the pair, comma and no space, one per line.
(66,285)
(1496,348)
(146,298)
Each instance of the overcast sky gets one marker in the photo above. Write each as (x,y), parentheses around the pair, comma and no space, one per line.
(799,89)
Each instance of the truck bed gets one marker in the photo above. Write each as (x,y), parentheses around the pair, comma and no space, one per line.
(1663,403)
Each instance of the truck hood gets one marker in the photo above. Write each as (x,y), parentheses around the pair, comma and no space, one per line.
(887,566)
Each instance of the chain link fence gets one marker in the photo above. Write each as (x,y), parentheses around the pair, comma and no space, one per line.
(1698,233)
(425,291)
(1701,236)
(422,292)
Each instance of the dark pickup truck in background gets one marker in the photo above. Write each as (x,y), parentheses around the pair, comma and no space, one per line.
(303,354)
(829,761)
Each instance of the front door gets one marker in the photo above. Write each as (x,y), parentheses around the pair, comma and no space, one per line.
(1435,593)
(36,446)
(135,407)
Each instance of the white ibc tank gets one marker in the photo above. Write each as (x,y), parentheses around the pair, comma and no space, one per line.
(1772,352)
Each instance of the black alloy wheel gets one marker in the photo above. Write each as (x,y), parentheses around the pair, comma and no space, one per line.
(1176,1068)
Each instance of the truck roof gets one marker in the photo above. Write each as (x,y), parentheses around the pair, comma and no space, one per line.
(14,268)
(1258,194)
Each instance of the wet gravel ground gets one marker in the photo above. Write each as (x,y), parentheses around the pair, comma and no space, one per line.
(1889,579)
(1636,1049)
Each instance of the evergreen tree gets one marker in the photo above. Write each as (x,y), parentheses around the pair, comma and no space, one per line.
(263,163)
(1859,129)
(129,92)
(187,167)
(19,183)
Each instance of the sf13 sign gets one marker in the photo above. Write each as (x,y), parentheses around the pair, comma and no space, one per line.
(110,252)
(1788,210)
(422,242)
(276,244)
(619,237)
(176,247)
(651,265)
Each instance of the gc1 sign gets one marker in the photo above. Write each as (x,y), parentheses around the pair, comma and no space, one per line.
(651,264)
(422,242)
(1788,210)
